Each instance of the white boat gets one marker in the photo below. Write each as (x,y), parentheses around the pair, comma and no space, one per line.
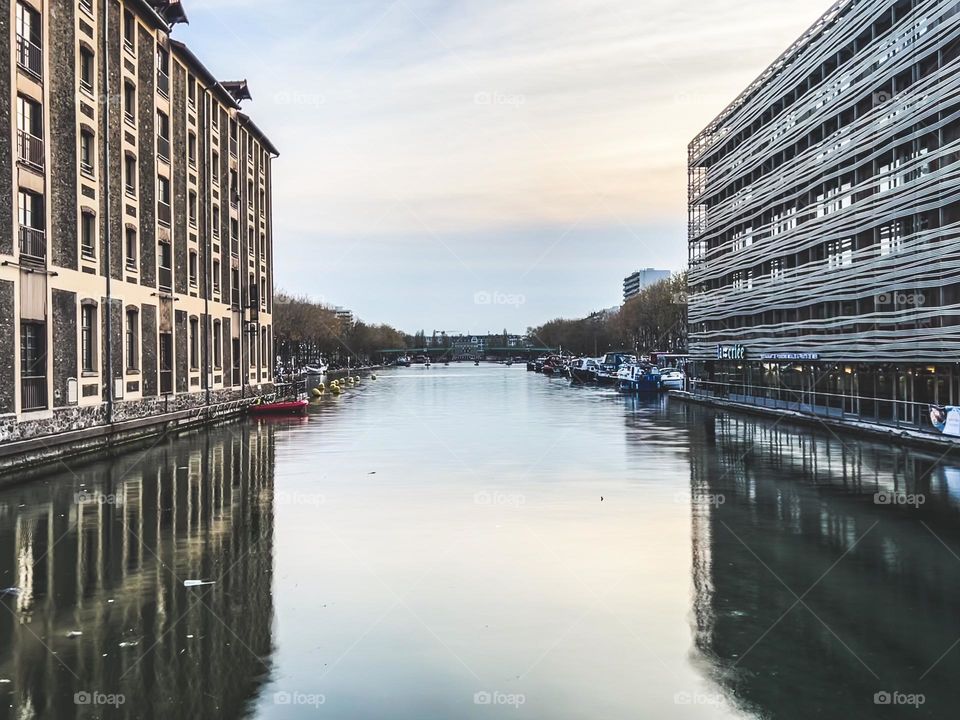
(635,377)
(671,379)
(320,369)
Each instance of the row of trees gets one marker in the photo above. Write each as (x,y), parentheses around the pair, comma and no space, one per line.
(654,320)
(305,331)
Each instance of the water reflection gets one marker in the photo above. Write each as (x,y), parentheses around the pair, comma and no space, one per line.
(820,588)
(100,555)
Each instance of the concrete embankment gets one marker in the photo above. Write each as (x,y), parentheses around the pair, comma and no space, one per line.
(866,430)
(23,460)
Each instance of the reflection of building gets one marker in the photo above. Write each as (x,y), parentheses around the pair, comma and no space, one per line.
(633,284)
(823,233)
(137,269)
(113,566)
(881,607)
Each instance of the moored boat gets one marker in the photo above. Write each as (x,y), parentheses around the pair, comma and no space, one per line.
(281,407)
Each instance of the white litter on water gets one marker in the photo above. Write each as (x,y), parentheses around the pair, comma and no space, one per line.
(129,643)
(197,583)
(4,681)
(74,633)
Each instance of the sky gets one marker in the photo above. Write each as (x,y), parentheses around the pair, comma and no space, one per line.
(475,165)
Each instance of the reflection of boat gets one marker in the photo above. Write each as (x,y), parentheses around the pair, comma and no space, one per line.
(283,407)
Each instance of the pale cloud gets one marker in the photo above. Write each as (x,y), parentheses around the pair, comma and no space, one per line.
(447,118)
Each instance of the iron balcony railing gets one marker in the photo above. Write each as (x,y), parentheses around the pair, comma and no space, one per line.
(29,149)
(33,243)
(30,57)
(165,278)
(33,392)
(163,83)
(163,213)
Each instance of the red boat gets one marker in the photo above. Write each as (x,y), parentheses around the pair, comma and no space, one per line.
(285,407)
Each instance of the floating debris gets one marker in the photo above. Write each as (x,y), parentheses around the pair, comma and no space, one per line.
(74,633)
(4,681)
(129,643)
(198,583)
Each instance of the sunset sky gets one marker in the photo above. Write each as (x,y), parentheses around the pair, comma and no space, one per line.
(440,154)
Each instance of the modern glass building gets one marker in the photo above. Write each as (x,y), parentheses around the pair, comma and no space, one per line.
(824,221)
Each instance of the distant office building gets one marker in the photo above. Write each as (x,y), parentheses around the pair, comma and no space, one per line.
(344,316)
(633,284)
(824,230)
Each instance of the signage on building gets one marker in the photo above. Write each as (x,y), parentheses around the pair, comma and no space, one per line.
(731,352)
(791,356)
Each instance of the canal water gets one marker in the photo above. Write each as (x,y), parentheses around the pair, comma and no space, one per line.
(483,542)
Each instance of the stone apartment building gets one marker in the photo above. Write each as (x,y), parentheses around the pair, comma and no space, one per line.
(136,251)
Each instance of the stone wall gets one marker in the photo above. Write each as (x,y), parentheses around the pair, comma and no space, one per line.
(8,330)
(64,348)
(146,81)
(149,360)
(62,141)
(6,131)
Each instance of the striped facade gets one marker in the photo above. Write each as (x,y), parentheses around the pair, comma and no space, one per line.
(824,216)
(136,256)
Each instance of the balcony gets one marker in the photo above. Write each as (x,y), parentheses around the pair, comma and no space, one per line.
(33,243)
(163,83)
(33,393)
(163,148)
(29,149)
(30,57)
(165,278)
(163,213)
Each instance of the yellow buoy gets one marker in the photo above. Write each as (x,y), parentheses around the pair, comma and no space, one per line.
(357,378)
(335,389)
(321,387)
(315,392)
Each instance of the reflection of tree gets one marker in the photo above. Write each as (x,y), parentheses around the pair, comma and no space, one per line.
(113,568)
(884,602)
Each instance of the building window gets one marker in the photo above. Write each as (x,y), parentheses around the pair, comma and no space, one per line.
(166,363)
(33,242)
(87,151)
(88,247)
(88,339)
(192,149)
(192,207)
(130,102)
(29,132)
(216,221)
(133,339)
(33,366)
(263,347)
(130,174)
(263,292)
(163,135)
(192,91)
(234,188)
(165,273)
(163,72)
(129,31)
(193,268)
(215,169)
(163,200)
(87,71)
(217,345)
(194,344)
(131,248)
(216,277)
(29,40)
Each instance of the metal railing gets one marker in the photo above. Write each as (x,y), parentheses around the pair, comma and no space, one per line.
(33,392)
(235,297)
(163,213)
(29,149)
(166,382)
(163,83)
(33,243)
(901,414)
(30,57)
(163,147)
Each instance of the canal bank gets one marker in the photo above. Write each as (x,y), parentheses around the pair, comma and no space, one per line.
(808,415)
(24,459)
